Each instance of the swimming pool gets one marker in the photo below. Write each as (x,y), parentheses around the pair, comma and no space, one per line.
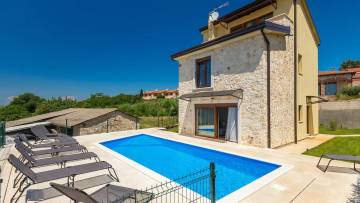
(173,159)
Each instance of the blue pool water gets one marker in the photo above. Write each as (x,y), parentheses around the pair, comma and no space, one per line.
(174,159)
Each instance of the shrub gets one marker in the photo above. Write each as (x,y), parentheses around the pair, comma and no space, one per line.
(333,125)
(351,91)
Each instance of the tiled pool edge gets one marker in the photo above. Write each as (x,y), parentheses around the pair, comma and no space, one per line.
(235,196)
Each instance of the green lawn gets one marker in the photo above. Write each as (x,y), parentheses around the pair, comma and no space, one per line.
(337,145)
(340,131)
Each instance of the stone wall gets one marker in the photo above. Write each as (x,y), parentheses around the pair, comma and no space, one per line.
(241,64)
(345,113)
(112,122)
(282,85)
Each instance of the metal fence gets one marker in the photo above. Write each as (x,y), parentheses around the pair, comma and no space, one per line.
(157,121)
(2,133)
(195,187)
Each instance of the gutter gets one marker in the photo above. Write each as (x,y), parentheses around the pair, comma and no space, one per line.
(295,72)
(268,60)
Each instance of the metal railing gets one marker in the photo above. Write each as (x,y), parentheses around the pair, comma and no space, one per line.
(195,187)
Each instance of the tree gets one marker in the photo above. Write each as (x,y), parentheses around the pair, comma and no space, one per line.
(27,100)
(350,64)
(141,94)
(12,112)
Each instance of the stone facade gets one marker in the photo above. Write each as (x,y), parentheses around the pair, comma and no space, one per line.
(111,122)
(241,64)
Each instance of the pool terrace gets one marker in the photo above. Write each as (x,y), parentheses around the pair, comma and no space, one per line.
(302,182)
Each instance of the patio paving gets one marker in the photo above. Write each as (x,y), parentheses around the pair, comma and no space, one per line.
(302,183)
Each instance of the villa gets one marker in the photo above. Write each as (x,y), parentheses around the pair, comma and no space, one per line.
(168,94)
(253,80)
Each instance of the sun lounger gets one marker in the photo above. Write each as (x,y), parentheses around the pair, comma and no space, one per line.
(56,143)
(62,159)
(41,133)
(109,193)
(50,151)
(31,177)
(339,157)
(59,160)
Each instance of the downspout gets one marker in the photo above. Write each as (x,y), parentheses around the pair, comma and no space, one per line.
(295,72)
(267,42)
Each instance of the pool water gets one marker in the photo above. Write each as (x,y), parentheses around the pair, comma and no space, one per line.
(174,159)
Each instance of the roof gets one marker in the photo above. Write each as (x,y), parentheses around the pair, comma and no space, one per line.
(240,12)
(264,25)
(324,73)
(38,118)
(355,69)
(235,93)
(160,91)
(259,4)
(81,116)
(74,117)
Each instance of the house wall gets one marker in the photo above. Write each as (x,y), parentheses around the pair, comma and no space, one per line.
(308,81)
(112,122)
(241,64)
(282,85)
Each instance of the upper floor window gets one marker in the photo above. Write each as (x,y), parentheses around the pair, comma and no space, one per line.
(203,72)
(251,22)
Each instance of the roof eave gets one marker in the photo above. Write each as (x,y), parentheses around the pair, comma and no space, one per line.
(238,13)
(264,25)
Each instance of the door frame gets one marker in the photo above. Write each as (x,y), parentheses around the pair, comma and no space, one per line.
(216,116)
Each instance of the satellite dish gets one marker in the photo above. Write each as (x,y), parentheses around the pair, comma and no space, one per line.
(213,16)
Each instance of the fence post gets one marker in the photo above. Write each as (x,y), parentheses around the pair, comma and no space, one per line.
(136,124)
(66,126)
(2,133)
(212,183)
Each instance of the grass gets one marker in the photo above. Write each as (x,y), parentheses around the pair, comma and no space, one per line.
(337,145)
(153,122)
(174,129)
(339,131)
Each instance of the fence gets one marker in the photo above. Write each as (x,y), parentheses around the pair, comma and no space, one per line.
(2,133)
(160,121)
(195,187)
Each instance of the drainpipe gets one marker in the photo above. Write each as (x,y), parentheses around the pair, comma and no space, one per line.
(267,42)
(295,72)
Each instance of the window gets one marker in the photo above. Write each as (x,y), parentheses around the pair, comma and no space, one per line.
(330,89)
(300,64)
(203,72)
(300,116)
(251,22)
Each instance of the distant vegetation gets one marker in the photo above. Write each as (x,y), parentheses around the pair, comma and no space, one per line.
(350,64)
(29,104)
(348,93)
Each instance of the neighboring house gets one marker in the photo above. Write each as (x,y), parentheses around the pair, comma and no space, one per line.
(242,83)
(78,121)
(332,82)
(168,94)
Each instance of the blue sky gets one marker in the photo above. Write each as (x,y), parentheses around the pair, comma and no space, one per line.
(79,47)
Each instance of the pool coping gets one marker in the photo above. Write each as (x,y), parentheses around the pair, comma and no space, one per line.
(235,196)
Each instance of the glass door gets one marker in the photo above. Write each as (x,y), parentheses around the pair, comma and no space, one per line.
(205,125)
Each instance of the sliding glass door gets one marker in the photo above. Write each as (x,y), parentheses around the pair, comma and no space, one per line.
(205,125)
(218,121)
